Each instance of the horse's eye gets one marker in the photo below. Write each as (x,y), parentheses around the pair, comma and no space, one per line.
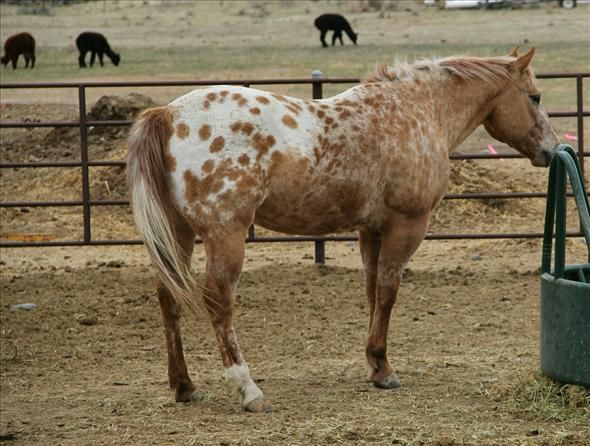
(536,98)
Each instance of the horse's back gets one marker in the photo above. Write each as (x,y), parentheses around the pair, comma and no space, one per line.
(226,143)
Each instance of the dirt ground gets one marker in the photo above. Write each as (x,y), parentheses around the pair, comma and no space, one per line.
(87,365)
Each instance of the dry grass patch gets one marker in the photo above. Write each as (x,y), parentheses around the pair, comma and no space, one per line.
(537,397)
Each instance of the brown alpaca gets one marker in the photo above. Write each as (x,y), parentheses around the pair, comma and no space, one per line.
(17,44)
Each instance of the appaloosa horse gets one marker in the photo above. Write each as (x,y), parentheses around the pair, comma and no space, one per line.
(374,159)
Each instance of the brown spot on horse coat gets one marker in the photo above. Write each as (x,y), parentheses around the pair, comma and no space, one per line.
(241,100)
(293,109)
(217,144)
(207,166)
(344,114)
(280,97)
(289,121)
(205,132)
(244,159)
(255,111)
(211,96)
(247,128)
(196,189)
(262,144)
(182,130)
(263,100)
(236,126)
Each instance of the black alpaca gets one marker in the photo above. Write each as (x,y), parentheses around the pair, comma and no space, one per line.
(336,23)
(22,43)
(97,44)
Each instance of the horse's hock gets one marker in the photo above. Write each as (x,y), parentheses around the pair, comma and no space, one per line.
(565,289)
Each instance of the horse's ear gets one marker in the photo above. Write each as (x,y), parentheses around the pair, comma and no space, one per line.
(514,51)
(524,61)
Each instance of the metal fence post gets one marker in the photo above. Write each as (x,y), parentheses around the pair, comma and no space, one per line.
(84,162)
(317,93)
(580,118)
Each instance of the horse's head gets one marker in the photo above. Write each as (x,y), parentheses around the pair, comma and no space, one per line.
(354,37)
(4,60)
(116,59)
(518,118)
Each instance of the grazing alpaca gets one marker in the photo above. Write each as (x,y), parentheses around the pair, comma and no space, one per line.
(97,44)
(21,43)
(336,23)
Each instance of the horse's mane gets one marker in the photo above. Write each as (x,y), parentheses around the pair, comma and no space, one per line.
(463,67)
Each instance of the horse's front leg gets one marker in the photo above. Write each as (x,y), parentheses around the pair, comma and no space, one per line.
(399,242)
(370,245)
(225,255)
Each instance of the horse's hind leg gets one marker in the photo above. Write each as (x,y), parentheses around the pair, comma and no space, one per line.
(398,243)
(225,255)
(180,382)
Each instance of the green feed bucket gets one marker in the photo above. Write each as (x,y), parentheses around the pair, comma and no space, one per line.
(565,289)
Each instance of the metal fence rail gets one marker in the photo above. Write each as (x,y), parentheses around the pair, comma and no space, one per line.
(316,81)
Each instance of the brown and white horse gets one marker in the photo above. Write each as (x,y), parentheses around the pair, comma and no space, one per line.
(372,159)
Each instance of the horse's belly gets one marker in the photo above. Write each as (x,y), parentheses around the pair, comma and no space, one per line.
(312,211)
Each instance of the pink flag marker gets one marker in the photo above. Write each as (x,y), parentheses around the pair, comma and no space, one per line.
(570,137)
(493,151)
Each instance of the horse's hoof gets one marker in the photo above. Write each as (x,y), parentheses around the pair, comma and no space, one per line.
(188,397)
(260,404)
(389,382)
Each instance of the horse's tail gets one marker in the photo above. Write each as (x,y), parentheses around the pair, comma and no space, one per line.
(152,203)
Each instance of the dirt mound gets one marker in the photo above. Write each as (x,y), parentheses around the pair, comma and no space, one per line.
(119,107)
(100,138)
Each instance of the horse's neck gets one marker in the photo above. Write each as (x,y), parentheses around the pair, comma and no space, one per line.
(461,106)
(453,108)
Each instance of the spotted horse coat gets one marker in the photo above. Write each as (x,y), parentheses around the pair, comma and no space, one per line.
(373,158)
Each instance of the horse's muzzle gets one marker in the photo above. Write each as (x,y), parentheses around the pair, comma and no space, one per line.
(543,159)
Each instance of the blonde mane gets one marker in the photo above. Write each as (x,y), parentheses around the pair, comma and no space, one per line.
(462,67)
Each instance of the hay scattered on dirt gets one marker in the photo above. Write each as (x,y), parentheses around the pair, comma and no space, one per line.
(538,397)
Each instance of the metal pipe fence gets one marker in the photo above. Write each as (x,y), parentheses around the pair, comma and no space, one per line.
(317,81)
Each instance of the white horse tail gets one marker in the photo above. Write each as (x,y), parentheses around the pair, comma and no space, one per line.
(152,203)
